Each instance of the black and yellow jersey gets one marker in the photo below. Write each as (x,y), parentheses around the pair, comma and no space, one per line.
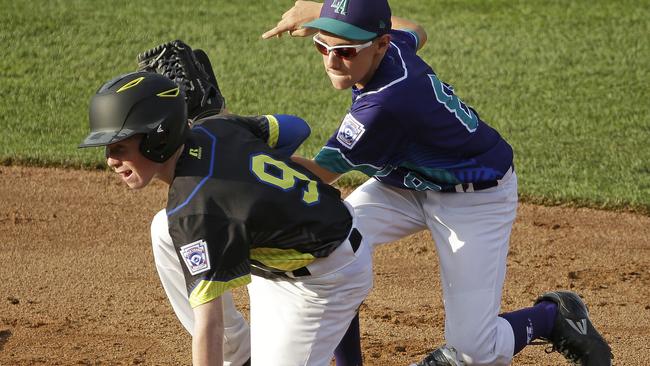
(236,202)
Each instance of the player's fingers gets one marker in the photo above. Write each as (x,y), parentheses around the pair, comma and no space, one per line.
(276,31)
(302,32)
(287,13)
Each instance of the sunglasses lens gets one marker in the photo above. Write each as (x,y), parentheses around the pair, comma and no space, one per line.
(345,52)
(321,48)
(340,51)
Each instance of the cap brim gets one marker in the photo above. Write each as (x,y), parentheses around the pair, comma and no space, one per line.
(341,29)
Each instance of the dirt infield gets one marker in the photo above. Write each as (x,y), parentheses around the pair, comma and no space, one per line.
(78,285)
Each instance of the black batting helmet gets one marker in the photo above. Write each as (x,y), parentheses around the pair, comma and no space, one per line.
(139,102)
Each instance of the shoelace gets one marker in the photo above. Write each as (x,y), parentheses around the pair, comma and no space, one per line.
(426,361)
(562,348)
(431,360)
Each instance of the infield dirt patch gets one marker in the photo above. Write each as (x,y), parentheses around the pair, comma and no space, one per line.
(78,285)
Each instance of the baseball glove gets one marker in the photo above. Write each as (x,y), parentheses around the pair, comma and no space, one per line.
(191,70)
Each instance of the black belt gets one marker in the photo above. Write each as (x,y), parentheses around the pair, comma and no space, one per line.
(355,240)
(478,186)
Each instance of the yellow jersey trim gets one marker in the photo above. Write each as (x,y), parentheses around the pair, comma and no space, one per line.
(282,259)
(274,130)
(207,291)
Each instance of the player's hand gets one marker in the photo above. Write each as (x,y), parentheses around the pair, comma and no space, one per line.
(293,19)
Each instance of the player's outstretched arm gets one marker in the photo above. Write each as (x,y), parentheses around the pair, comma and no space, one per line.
(293,19)
(306,11)
(207,341)
(325,175)
(405,24)
(283,132)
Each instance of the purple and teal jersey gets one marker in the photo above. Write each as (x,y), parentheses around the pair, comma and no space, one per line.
(408,129)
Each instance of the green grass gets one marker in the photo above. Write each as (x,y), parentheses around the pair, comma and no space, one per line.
(564,81)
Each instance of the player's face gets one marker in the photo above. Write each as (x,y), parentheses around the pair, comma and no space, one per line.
(344,72)
(125,159)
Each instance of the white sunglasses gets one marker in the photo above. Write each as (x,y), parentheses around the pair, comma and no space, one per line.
(345,51)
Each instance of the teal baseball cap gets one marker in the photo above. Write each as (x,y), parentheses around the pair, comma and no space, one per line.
(358,20)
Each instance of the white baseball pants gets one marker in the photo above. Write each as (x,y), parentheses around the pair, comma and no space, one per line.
(294,321)
(471,231)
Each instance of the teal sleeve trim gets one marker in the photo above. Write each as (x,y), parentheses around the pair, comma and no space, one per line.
(333,160)
(415,35)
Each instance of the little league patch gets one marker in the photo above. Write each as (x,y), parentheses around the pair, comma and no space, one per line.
(195,256)
(350,131)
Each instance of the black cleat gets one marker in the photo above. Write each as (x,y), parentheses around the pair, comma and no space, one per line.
(573,334)
(443,356)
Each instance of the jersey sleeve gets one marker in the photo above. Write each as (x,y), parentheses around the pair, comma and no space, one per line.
(406,36)
(282,132)
(367,140)
(214,257)
(292,131)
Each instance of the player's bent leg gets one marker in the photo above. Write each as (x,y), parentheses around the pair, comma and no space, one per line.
(481,338)
(170,270)
(348,352)
(236,330)
(472,232)
(385,213)
(573,334)
(299,321)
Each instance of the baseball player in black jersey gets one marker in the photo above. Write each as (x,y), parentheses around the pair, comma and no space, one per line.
(239,212)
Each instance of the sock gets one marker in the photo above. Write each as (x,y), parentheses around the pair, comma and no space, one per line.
(531,323)
(348,352)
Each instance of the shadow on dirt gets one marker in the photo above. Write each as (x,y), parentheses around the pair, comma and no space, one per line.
(4,337)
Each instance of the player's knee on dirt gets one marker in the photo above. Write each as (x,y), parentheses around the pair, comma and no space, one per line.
(483,345)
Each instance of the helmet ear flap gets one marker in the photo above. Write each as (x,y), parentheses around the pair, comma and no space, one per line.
(155,143)
(160,143)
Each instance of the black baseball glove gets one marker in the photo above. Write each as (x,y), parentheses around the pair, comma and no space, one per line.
(192,71)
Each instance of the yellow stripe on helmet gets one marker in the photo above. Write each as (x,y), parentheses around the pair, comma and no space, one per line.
(171,93)
(130,84)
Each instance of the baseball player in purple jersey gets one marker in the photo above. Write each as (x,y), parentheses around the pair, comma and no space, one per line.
(436,165)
